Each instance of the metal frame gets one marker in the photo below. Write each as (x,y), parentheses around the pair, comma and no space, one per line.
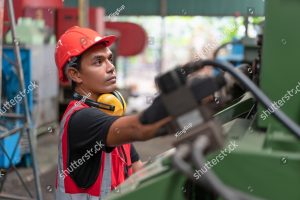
(28,124)
(179,7)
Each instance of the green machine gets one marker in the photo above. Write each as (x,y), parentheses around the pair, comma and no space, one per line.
(249,149)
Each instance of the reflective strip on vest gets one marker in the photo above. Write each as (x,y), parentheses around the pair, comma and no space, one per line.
(106,179)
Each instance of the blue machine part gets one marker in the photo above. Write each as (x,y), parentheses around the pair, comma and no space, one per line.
(235,56)
(11,89)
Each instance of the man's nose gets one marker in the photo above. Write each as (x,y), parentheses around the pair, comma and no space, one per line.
(110,67)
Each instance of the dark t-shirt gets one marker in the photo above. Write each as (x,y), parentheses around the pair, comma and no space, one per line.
(87,133)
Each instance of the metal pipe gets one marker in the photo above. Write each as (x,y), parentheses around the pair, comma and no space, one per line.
(10,132)
(163,13)
(83,11)
(246,24)
(13,116)
(1,43)
(9,196)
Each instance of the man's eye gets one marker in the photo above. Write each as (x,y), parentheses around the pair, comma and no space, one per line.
(98,62)
(110,59)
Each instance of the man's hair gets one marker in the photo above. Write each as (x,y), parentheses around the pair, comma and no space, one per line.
(74,62)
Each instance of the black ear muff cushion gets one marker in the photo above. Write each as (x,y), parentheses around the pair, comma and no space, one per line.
(77,96)
(118,95)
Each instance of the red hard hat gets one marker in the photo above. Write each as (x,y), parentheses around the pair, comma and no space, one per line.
(74,42)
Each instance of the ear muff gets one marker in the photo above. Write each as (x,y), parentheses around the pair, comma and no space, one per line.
(92,103)
(116,99)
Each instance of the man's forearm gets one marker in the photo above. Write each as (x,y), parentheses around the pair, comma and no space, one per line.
(128,129)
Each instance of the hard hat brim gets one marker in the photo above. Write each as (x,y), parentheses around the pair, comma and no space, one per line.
(107,40)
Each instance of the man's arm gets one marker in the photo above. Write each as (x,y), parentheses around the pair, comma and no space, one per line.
(128,129)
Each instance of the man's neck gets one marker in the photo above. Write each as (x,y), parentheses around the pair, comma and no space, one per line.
(87,95)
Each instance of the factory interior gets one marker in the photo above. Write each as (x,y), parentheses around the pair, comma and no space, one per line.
(177,100)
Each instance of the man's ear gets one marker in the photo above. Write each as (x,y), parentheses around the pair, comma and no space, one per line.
(74,74)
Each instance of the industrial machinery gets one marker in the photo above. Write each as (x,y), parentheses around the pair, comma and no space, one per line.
(261,124)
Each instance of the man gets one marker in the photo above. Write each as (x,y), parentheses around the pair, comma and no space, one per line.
(94,151)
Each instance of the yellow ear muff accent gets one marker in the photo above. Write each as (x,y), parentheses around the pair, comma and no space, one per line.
(115,98)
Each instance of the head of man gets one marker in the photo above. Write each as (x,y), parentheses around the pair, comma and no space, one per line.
(83,57)
(93,71)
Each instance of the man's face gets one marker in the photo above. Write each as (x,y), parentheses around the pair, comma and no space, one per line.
(97,72)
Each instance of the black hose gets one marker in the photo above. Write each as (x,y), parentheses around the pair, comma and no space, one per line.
(216,52)
(178,161)
(182,152)
(226,192)
(248,84)
(198,148)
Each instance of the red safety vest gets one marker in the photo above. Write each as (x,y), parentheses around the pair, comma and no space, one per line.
(111,172)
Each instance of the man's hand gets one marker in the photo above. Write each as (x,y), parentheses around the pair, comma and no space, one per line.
(155,112)
(136,166)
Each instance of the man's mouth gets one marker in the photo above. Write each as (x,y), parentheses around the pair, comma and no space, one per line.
(113,78)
